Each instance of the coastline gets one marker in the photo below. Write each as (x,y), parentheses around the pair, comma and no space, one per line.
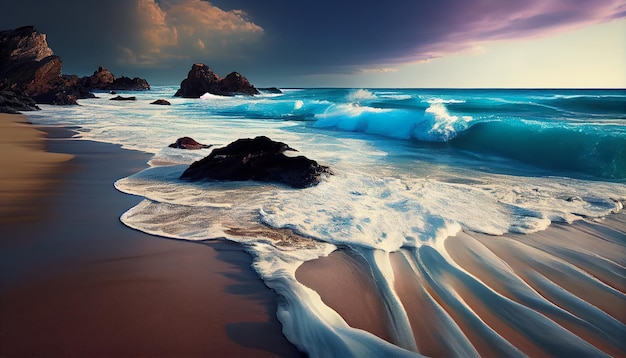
(75,281)
(81,283)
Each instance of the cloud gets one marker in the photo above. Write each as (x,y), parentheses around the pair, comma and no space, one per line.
(176,29)
(331,35)
(271,39)
(377,70)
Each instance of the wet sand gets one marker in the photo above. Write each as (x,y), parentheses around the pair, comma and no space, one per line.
(592,249)
(74,281)
(27,169)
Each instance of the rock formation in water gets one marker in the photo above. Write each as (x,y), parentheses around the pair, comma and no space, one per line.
(120,98)
(272,90)
(162,102)
(201,79)
(259,159)
(103,79)
(188,143)
(28,67)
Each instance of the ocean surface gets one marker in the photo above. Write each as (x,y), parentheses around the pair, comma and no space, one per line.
(412,168)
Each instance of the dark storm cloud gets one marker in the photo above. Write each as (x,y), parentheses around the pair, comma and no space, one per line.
(271,39)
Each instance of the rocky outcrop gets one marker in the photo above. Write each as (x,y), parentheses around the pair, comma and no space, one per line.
(260,159)
(103,79)
(188,143)
(235,83)
(28,66)
(12,102)
(100,79)
(201,79)
(161,102)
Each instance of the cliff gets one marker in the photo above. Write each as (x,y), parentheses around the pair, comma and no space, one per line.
(30,69)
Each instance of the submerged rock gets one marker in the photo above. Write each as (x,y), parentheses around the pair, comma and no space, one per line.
(272,90)
(161,102)
(201,79)
(120,98)
(188,143)
(260,159)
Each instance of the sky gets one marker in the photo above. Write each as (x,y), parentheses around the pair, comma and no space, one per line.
(340,43)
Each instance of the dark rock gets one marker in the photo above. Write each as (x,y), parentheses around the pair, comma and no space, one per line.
(272,90)
(260,159)
(29,66)
(235,83)
(12,102)
(103,79)
(161,102)
(129,84)
(120,98)
(201,79)
(100,79)
(188,143)
(258,146)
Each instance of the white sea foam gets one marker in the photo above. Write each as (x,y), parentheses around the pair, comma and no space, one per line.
(360,95)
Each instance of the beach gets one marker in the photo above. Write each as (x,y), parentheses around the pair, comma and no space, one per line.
(528,259)
(74,281)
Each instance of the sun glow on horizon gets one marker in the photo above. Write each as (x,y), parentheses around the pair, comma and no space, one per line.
(590,57)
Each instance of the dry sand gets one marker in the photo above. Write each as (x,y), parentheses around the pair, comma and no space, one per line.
(74,281)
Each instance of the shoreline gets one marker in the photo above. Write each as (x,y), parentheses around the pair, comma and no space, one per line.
(82,283)
(470,250)
(75,281)
(29,171)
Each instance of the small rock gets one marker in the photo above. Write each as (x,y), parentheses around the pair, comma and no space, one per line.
(120,98)
(188,143)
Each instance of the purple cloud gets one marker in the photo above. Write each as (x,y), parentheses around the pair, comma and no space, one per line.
(334,35)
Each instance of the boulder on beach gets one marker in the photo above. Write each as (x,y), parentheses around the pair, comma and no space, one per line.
(12,102)
(161,102)
(188,143)
(201,79)
(259,159)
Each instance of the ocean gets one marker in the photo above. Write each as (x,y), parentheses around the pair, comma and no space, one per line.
(412,169)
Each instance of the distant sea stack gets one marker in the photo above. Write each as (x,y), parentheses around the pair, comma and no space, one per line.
(103,79)
(201,79)
(30,69)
